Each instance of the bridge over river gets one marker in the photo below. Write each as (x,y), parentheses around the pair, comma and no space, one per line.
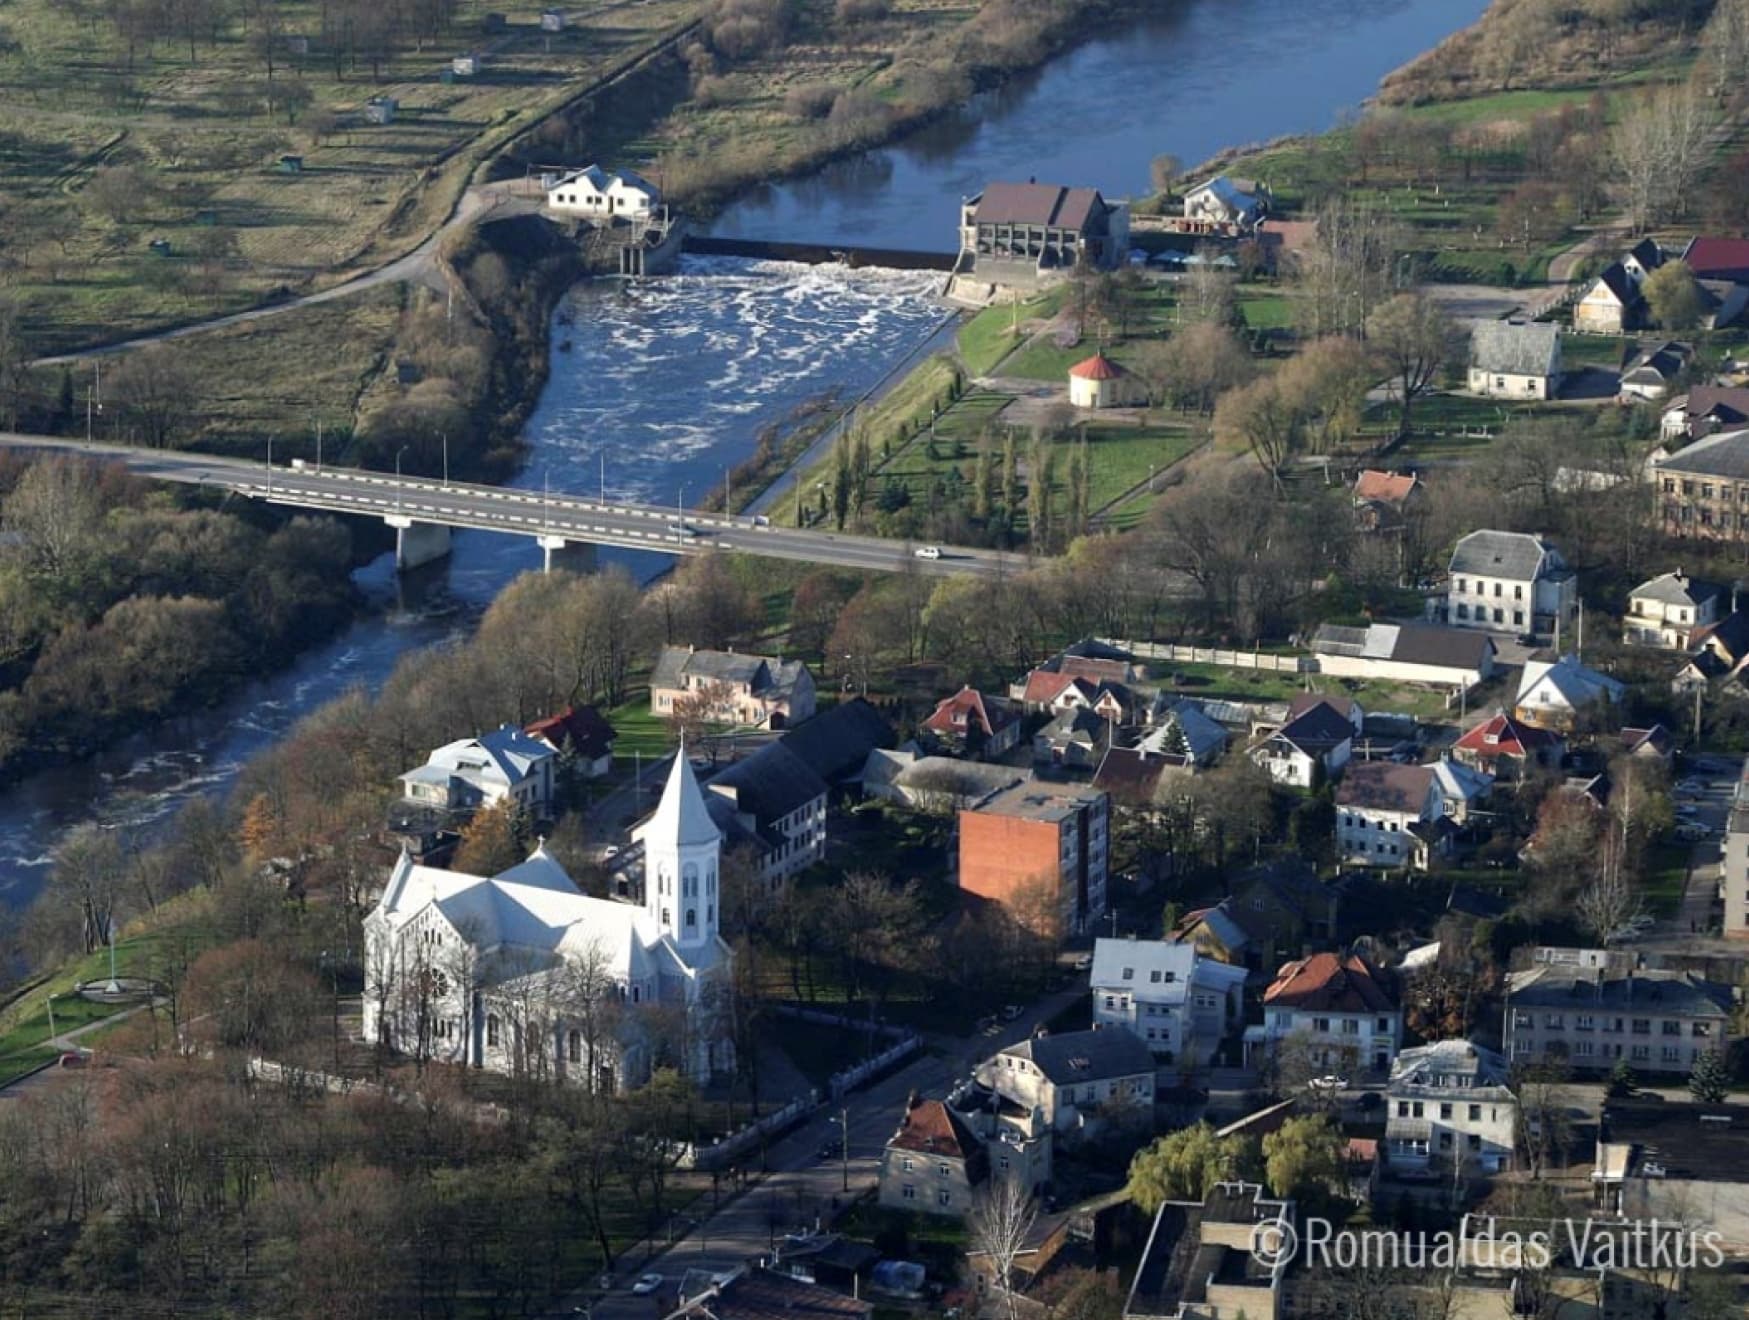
(423,510)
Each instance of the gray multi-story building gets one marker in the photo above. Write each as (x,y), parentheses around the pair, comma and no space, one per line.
(1509,582)
(1736,864)
(1591,1017)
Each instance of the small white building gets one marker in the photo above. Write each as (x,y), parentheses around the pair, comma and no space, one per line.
(1668,610)
(596,194)
(381,110)
(1450,1102)
(1098,382)
(1345,1010)
(1227,203)
(1315,743)
(1552,693)
(1651,372)
(1075,1078)
(1180,1004)
(1515,359)
(552,20)
(468,65)
(506,764)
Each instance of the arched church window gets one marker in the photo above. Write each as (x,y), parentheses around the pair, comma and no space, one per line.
(574,1046)
(710,912)
(691,918)
(492,1029)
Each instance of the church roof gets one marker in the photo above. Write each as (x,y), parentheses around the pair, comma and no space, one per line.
(682,817)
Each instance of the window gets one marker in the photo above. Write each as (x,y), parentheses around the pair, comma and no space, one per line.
(1497,590)
(1402,1109)
(1642,1051)
(1584,1022)
(1672,1054)
(908,1164)
(491,1029)
(944,1197)
(1129,973)
(1475,1113)
(1672,1028)
(1383,1025)
(1419,1109)
(1320,1024)
(944,1170)
(573,1047)
(910,1192)
(1463,611)
(1499,615)
(1445,1111)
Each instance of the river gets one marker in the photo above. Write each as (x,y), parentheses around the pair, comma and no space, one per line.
(666,384)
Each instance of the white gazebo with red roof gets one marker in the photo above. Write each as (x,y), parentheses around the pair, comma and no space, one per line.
(1098,382)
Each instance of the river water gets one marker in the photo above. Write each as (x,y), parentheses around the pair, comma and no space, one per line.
(667,384)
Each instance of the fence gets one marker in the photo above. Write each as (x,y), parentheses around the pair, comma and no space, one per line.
(1206,655)
(827,1019)
(851,1078)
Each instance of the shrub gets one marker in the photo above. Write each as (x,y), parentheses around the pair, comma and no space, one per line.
(810,101)
(863,11)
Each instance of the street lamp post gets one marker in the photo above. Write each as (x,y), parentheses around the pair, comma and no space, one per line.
(398,453)
(445,436)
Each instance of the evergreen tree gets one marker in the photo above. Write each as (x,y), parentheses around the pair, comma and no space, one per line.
(1710,1079)
(1170,916)
(841,495)
(1174,743)
(1043,478)
(1010,479)
(984,482)
(1622,1082)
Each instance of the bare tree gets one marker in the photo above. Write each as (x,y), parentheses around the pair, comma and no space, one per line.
(999,1225)
(1609,907)
(1660,146)
(1413,338)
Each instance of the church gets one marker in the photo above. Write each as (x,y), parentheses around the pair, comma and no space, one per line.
(522,973)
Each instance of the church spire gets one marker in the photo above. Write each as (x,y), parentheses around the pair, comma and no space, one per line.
(681,818)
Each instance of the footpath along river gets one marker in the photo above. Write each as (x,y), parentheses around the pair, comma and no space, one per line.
(667,384)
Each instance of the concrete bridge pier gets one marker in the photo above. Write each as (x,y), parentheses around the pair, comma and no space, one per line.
(571,556)
(417,543)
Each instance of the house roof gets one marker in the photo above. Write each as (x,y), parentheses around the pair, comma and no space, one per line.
(1385,786)
(1728,403)
(681,815)
(770,784)
(581,728)
(1097,367)
(1663,361)
(1574,684)
(1647,253)
(1441,1065)
(1238,194)
(929,1127)
(835,743)
(1328,982)
(1076,725)
(1038,204)
(1657,739)
(1072,1057)
(1501,735)
(975,709)
(1616,279)
(1456,780)
(1516,348)
(1721,454)
(1388,487)
(1675,588)
(1718,258)
(1317,729)
(1674,994)
(1043,686)
(1511,555)
(1689,1142)
(1407,643)
(1202,735)
(1336,701)
(1150,964)
(1133,773)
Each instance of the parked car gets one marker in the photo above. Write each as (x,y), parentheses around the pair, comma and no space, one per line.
(1328,1082)
(1694,831)
(646,1284)
(1691,788)
(927,552)
(1084,963)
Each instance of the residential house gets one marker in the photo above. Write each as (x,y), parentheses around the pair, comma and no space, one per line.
(1273,911)
(835,744)
(593,193)
(1031,233)
(1461,789)
(1098,382)
(1133,775)
(933,1163)
(1076,739)
(1181,1003)
(1668,610)
(1390,815)
(1042,851)
(1077,1078)
(1177,726)
(505,765)
(581,737)
(468,65)
(1509,582)
(940,785)
(1093,663)
(1227,205)
(1591,1017)
(1655,743)
(552,20)
(1384,500)
(1405,653)
(757,690)
(1651,372)
(778,804)
(1703,489)
(1344,1009)
(975,724)
(1314,745)
(1703,410)
(1450,1102)
(1676,1162)
(1614,304)
(749,1292)
(1734,869)
(1051,692)
(1201,1260)
(1720,654)
(1721,269)
(484,971)
(1515,359)
(1553,694)
(1507,748)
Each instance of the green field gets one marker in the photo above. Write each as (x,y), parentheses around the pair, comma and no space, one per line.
(1203,680)
(989,336)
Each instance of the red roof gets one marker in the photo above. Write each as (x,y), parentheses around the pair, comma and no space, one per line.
(930,1128)
(1044,686)
(1392,487)
(1718,258)
(1505,736)
(1328,983)
(971,707)
(582,727)
(1097,367)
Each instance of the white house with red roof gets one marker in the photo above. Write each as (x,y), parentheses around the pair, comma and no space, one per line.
(976,723)
(1345,1010)
(1098,382)
(1508,748)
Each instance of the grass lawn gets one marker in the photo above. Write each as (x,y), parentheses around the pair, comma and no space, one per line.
(1265,309)
(1121,457)
(1592,350)
(1204,680)
(1043,359)
(988,337)
(637,729)
(1666,877)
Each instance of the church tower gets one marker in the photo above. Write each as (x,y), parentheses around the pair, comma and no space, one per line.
(681,844)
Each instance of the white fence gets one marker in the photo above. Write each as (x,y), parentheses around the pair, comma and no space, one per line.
(1208,655)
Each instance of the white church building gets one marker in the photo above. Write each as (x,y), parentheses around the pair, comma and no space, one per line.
(522,973)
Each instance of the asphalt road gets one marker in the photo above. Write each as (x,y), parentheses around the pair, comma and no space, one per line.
(422,500)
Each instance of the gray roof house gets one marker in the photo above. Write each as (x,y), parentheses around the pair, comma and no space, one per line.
(1515,359)
(1409,652)
(1589,1017)
(1075,1076)
(744,689)
(775,794)
(505,764)
(1509,582)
